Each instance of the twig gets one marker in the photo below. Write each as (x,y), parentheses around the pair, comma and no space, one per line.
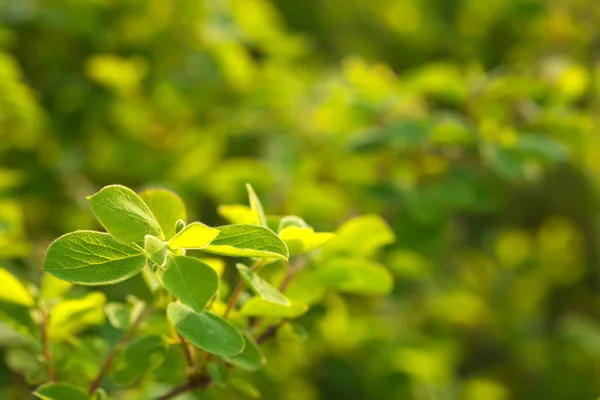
(45,347)
(239,288)
(113,352)
(234,297)
(196,382)
(189,353)
(267,334)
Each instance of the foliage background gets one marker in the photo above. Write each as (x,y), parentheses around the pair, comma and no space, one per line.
(471,126)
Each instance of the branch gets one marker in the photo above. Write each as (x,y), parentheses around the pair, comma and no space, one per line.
(267,334)
(195,382)
(113,352)
(45,347)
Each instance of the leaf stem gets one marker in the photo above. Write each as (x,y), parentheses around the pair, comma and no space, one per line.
(45,346)
(113,352)
(241,285)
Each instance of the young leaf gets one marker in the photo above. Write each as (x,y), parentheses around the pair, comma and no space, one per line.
(236,214)
(247,241)
(60,391)
(291,220)
(53,288)
(357,276)
(123,315)
(13,291)
(193,236)
(219,373)
(361,236)
(251,358)
(124,214)
(189,280)
(261,287)
(92,258)
(156,250)
(18,317)
(258,212)
(139,356)
(206,330)
(166,207)
(257,307)
(73,316)
(303,240)
(245,387)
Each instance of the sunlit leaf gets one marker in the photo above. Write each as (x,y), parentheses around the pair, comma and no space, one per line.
(53,287)
(70,317)
(206,330)
(261,287)
(193,236)
(291,220)
(361,236)
(248,241)
(353,275)
(124,214)
(257,307)
(303,240)
(189,280)
(245,388)
(258,212)
(13,291)
(237,214)
(166,207)
(92,258)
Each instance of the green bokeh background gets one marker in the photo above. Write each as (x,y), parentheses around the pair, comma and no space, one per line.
(470,126)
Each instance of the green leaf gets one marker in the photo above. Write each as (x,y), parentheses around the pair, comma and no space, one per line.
(18,317)
(60,391)
(166,207)
(251,359)
(156,250)
(261,287)
(257,307)
(26,361)
(361,236)
(291,220)
(193,236)
(218,373)
(248,241)
(13,291)
(54,288)
(245,388)
(124,214)
(123,315)
(303,240)
(189,279)
(206,330)
(258,212)
(99,394)
(237,214)
(92,258)
(139,356)
(357,276)
(73,316)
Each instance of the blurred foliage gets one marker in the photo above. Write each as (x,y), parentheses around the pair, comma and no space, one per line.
(471,127)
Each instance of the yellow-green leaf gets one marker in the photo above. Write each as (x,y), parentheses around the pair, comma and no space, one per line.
(70,317)
(258,212)
(303,240)
(194,236)
(257,307)
(357,276)
(166,207)
(13,291)
(247,241)
(261,287)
